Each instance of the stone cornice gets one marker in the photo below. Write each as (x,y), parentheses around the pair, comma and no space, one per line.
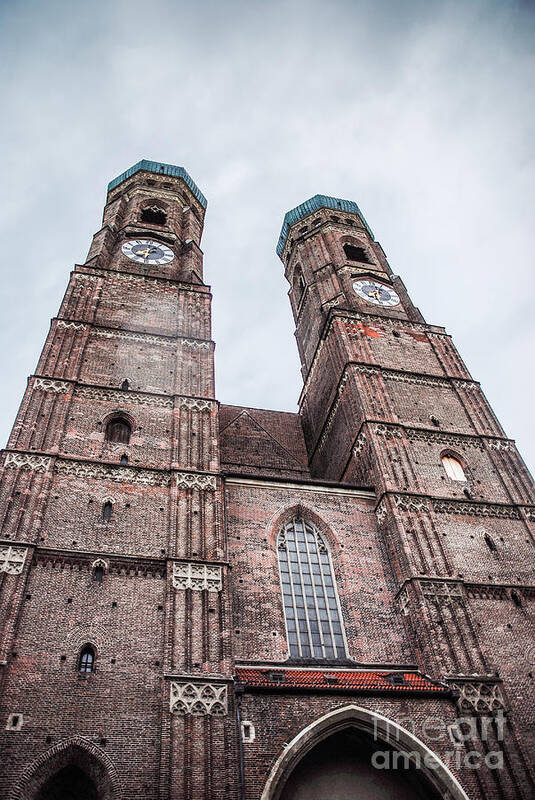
(396,430)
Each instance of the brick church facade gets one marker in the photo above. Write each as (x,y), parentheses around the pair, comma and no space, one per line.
(203,601)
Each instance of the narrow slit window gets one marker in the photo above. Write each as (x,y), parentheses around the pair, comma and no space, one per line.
(107,509)
(454,468)
(87,659)
(311,608)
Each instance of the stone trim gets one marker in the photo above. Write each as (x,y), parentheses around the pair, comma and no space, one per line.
(478,694)
(50,385)
(197,576)
(77,326)
(107,393)
(199,699)
(113,472)
(127,397)
(195,480)
(444,592)
(81,469)
(12,559)
(501,444)
(417,503)
(27,461)
(130,277)
(475,509)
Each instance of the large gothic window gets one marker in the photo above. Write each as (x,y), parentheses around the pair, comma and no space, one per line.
(311,604)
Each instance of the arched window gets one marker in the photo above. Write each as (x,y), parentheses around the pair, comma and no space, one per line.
(107,509)
(354,253)
(118,430)
(153,215)
(310,601)
(454,468)
(125,386)
(87,659)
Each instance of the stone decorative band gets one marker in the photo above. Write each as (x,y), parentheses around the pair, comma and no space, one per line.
(481,695)
(199,699)
(404,601)
(50,385)
(388,431)
(86,276)
(81,469)
(406,502)
(529,512)
(468,385)
(501,444)
(486,592)
(457,440)
(195,404)
(128,277)
(76,326)
(359,444)
(12,559)
(195,480)
(441,591)
(27,461)
(475,509)
(381,510)
(197,576)
(109,333)
(415,378)
(138,398)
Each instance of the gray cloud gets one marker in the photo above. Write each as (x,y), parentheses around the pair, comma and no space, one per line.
(421,112)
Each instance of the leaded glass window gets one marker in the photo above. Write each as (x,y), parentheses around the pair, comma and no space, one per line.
(311,607)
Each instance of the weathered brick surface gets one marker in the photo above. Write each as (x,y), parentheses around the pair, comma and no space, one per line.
(432,574)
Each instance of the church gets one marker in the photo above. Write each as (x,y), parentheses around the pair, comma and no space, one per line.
(201,601)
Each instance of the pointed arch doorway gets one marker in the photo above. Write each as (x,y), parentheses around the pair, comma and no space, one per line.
(74,769)
(331,759)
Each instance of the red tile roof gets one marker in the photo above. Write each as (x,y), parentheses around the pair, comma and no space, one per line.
(337,680)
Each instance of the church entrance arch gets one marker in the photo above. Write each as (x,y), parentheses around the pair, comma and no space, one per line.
(331,759)
(71,770)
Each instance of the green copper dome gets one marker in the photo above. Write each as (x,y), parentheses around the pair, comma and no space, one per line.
(160,169)
(309,206)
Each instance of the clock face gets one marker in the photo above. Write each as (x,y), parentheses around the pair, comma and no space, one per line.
(376,293)
(146,251)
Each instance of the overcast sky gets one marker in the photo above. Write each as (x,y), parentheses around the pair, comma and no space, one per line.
(421,112)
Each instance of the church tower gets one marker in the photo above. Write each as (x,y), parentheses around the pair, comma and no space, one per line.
(201,601)
(115,602)
(387,401)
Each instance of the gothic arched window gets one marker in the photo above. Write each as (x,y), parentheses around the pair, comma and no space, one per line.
(454,468)
(311,604)
(87,659)
(118,430)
